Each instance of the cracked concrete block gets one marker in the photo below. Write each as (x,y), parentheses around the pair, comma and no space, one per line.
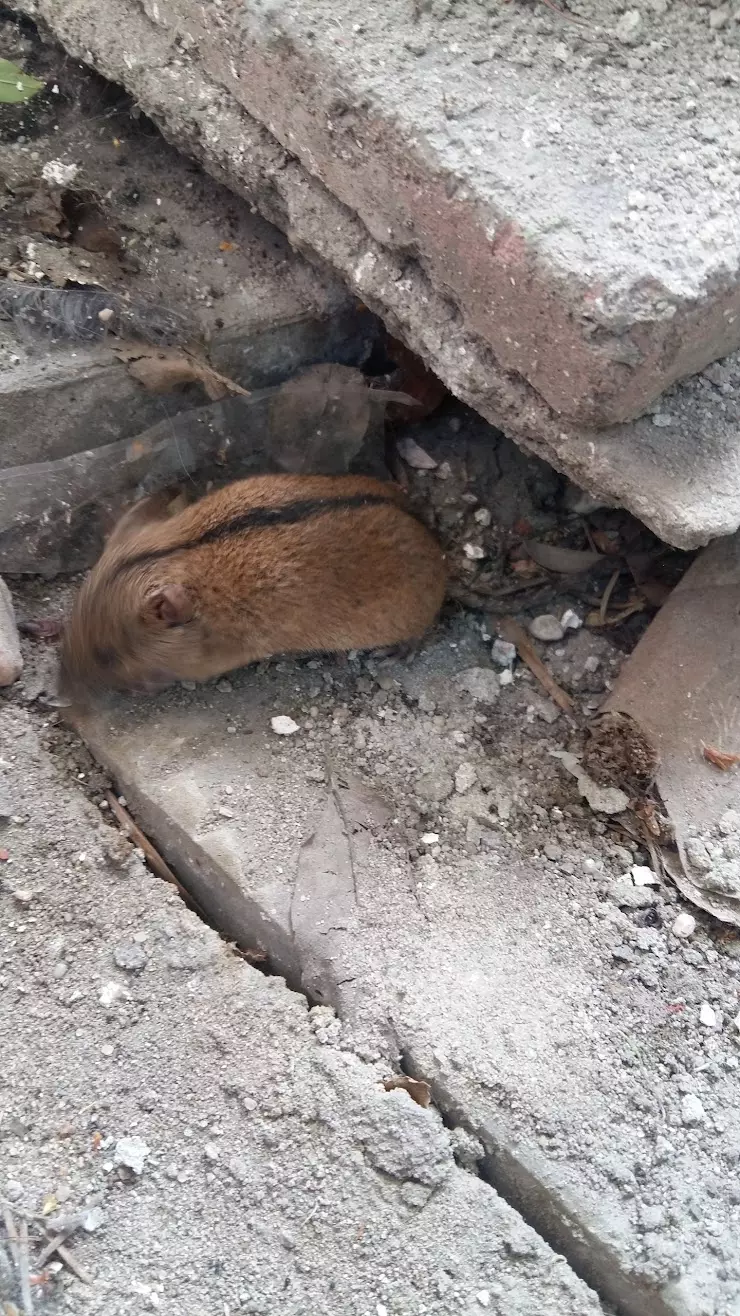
(554,284)
(301,1185)
(491,975)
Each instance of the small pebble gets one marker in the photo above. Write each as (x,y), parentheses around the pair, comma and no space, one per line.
(130,956)
(642,876)
(483,516)
(592,663)
(546,627)
(430,838)
(506,677)
(483,1297)
(225,813)
(474,552)
(131,1152)
(503,653)
(552,851)
(692,1111)
(11,663)
(684,925)
(210,1151)
(108,1049)
(284,726)
(570,621)
(23,897)
(465,777)
(109,992)
(707,1016)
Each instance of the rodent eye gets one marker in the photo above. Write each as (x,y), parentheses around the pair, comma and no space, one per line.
(104,657)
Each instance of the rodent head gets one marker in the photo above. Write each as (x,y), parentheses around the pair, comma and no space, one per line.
(129,630)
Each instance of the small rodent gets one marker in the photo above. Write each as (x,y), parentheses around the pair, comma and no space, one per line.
(268,565)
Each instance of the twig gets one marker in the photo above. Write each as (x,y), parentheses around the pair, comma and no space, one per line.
(515,634)
(24,1269)
(72,1263)
(604,605)
(154,858)
(11,1231)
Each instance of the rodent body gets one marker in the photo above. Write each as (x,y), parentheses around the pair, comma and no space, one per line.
(273,564)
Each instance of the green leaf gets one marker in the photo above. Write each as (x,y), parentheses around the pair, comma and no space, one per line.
(15,85)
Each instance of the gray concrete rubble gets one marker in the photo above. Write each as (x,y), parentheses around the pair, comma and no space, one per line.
(418,859)
(196,1137)
(690,716)
(554,308)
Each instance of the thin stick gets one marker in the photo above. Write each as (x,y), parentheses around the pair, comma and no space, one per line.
(154,858)
(606,596)
(10,1230)
(24,1269)
(515,634)
(72,1263)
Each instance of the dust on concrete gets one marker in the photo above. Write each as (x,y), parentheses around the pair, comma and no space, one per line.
(272,1172)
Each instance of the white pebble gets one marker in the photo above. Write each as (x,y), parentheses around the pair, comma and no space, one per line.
(684,925)
(707,1016)
(570,621)
(482,516)
(642,876)
(507,677)
(474,552)
(108,1049)
(483,1297)
(503,653)
(546,627)
(210,1151)
(131,1152)
(692,1111)
(284,726)
(23,897)
(465,777)
(109,992)
(430,838)
(736,1022)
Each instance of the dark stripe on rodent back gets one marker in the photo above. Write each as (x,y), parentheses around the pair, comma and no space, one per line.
(262,518)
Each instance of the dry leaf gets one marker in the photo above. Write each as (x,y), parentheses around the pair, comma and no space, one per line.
(162,369)
(413,377)
(61,265)
(418,1090)
(566,561)
(719,758)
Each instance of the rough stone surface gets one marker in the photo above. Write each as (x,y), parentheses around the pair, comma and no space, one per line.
(474,933)
(11,663)
(224,1148)
(680,474)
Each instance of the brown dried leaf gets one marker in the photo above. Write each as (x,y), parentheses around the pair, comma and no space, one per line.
(414,378)
(556,557)
(162,369)
(418,1090)
(719,758)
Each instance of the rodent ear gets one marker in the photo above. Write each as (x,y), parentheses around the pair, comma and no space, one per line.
(170,605)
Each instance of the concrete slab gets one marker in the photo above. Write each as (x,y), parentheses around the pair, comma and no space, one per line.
(480,923)
(682,483)
(276,1174)
(580,223)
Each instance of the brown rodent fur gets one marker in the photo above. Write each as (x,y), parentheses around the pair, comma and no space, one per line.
(273,564)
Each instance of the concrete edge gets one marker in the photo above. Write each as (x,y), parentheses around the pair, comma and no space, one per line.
(203,120)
